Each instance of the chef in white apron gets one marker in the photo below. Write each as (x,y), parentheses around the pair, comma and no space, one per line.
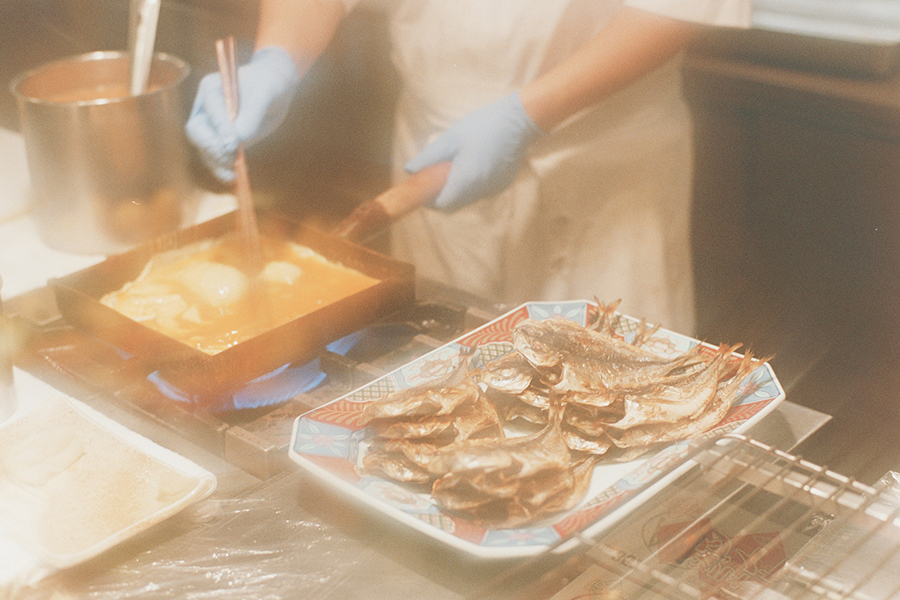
(600,164)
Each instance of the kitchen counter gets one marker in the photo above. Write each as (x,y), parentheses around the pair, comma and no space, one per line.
(277,535)
(288,536)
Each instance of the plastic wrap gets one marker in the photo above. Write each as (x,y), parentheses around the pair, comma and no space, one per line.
(264,545)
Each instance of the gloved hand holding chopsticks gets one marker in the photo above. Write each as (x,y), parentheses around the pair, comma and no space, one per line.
(487,148)
(267,85)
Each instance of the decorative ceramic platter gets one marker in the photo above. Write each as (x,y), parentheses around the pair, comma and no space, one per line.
(329,443)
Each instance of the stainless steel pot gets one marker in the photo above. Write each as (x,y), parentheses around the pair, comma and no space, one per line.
(108,170)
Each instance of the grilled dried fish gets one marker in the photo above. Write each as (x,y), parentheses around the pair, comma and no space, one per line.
(591,367)
(593,420)
(417,452)
(604,323)
(536,497)
(593,395)
(675,398)
(404,446)
(580,442)
(440,397)
(401,459)
(511,408)
(510,482)
(710,416)
(473,416)
(396,467)
(509,373)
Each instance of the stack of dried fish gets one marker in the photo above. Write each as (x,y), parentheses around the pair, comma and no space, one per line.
(413,423)
(510,482)
(589,394)
(616,394)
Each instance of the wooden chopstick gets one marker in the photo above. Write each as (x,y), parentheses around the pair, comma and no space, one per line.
(246,215)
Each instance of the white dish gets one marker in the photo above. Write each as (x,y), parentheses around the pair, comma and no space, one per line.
(325,442)
(74,483)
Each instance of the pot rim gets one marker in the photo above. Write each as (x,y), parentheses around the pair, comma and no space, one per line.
(180,65)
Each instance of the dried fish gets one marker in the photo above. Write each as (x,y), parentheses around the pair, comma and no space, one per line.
(593,420)
(511,408)
(673,399)
(475,415)
(410,424)
(688,427)
(417,452)
(514,457)
(510,373)
(581,442)
(591,367)
(536,498)
(510,482)
(396,467)
(586,394)
(434,398)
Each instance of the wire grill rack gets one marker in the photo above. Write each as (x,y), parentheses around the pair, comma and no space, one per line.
(745,521)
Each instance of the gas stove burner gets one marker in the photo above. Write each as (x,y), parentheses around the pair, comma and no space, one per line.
(248,424)
(276,387)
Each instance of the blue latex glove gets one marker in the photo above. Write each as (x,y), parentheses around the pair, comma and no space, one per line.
(487,148)
(266,86)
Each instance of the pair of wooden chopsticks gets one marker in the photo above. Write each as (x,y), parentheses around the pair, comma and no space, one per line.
(368,219)
(246,216)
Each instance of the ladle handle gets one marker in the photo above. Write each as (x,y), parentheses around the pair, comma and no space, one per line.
(143,19)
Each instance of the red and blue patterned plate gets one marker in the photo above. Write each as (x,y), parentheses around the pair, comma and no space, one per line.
(329,442)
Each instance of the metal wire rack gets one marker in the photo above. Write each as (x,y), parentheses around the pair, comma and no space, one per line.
(745,521)
(846,534)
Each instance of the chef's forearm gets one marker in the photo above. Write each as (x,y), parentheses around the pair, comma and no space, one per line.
(302,27)
(634,43)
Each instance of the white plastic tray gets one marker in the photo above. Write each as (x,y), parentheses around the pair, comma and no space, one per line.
(74,483)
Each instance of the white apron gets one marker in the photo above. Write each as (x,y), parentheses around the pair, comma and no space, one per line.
(601,207)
